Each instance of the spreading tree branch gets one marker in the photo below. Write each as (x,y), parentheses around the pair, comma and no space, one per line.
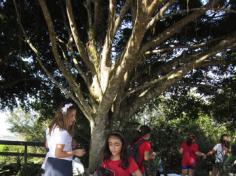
(159,85)
(52,35)
(127,60)
(175,28)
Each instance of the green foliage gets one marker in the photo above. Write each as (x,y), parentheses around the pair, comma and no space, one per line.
(28,125)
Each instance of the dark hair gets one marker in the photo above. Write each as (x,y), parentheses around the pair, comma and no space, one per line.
(59,119)
(224,141)
(144,129)
(123,154)
(190,139)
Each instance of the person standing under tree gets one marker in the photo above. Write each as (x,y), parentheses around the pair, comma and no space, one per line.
(220,150)
(189,150)
(59,142)
(144,150)
(116,161)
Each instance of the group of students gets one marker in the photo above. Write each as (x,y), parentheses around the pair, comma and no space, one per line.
(117,158)
(58,160)
(190,150)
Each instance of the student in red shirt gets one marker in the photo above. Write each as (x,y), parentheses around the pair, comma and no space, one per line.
(189,150)
(116,159)
(144,149)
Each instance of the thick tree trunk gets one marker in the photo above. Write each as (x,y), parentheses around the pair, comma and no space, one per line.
(98,136)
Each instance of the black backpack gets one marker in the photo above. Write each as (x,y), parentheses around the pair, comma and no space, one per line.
(133,150)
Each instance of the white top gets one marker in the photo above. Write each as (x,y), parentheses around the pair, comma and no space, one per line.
(77,166)
(220,153)
(58,136)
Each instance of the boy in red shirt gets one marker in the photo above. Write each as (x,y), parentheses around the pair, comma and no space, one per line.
(189,150)
(144,149)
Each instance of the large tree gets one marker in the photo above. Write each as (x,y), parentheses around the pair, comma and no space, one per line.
(112,57)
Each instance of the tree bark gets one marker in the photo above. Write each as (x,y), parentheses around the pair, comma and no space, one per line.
(99,131)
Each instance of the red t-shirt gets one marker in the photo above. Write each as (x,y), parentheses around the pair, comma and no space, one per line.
(145,146)
(189,157)
(115,167)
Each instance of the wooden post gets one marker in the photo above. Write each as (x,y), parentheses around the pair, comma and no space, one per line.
(25,154)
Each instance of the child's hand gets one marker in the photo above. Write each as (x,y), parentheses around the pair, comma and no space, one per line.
(153,155)
(204,156)
(74,144)
(79,152)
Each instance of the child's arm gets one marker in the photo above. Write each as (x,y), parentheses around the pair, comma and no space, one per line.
(74,144)
(198,153)
(59,153)
(46,144)
(147,155)
(138,173)
(211,152)
(181,150)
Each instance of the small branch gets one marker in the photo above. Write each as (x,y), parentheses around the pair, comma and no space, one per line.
(81,73)
(105,60)
(123,11)
(152,7)
(160,14)
(3,60)
(164,50)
